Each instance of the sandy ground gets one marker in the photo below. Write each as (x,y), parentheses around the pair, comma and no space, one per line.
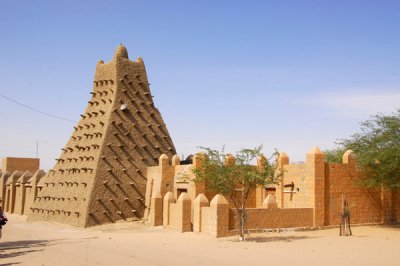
(26,243)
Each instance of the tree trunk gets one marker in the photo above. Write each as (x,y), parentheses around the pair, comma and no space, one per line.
(242,224)
(239,211)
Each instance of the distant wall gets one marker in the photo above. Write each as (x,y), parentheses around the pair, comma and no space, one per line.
(12,164)
(18,190)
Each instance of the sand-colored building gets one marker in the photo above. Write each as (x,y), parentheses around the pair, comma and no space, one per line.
(120,164)
(100,176)
(12,164)
(308,195)
(19,183)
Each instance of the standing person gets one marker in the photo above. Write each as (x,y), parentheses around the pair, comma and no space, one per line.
(3,219)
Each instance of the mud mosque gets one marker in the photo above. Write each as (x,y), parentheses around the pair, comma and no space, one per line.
(120,163)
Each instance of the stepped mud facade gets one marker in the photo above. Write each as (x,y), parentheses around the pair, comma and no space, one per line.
(100,176)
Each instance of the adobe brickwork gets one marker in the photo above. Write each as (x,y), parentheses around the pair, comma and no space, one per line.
(171,176)
(321,185)
(18,190)
(100,176)
(12,164)
(308,195)
(365,204)
(262,218)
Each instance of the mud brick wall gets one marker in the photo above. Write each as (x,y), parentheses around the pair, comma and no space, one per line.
(215,219)
(18,190)
(322,186)
(396,205)
(295,173)
(273,218)
(3,183)
(100,176)
(20,193)
(12,164)
(365,204)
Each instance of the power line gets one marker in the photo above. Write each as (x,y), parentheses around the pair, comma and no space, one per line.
(36,110)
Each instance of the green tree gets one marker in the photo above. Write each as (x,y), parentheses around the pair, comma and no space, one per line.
(237,177)
(377,148)
(334,155)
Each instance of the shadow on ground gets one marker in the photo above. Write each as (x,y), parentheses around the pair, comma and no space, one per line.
(19,248)
(277,238)
(395,226)
(14,249)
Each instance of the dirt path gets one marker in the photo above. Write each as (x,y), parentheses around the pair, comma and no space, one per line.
(25,243)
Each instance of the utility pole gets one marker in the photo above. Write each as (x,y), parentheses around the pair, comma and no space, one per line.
(37,148)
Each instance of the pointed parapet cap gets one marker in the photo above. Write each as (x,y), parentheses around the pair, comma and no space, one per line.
(270,202)
(283,155)
(156,195)
(36,177)
(5,174)
(229,160)
(283,158)
(39,174)
(25,177)
(183,197)
(176,160)
(169,197)
(316,152)
(198,158)
(121,52)
(16,174)
(164,160)
(14,177)
(349,157)
(219,199)
(201,198)
(140,60)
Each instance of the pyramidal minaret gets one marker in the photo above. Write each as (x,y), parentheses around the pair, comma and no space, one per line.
(100,176)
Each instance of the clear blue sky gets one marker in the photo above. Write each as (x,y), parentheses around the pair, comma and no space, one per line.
(285,74)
